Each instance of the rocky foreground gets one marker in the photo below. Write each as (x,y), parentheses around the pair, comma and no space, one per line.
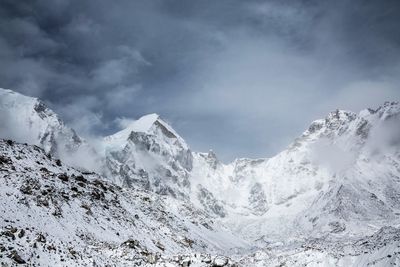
(55,215)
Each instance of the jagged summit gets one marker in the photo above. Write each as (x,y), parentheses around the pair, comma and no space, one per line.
(148,124)
(143,124)
(29,120)
(149,153)
(338,181)
(388,109)
(355,127)
(27,107)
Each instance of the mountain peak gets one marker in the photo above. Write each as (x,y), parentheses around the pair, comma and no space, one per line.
(388,109)
(26,105)
(143,124)
(340,114)
(8,91)
(151,124)
(28,120)
(22,112)
(12,99)
(391,104)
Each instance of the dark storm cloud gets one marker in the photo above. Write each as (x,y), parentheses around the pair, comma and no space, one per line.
(242,77)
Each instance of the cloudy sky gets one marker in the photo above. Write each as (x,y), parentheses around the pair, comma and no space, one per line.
(241,77)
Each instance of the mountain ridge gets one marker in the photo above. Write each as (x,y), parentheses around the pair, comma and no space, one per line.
(339,179)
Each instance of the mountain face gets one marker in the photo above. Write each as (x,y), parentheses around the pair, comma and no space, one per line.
(149,153)
(52,214)
(341,176)
(331,198)
(28,120)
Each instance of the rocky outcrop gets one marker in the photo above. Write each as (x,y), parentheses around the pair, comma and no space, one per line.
(151,155)
(53,214)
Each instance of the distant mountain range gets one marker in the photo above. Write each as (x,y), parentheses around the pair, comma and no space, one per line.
(141,196)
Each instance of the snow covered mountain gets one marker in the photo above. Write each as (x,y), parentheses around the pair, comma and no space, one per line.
(341,173)
(341,176)
(331,198)
(55,215)
(151,154)
(28,120)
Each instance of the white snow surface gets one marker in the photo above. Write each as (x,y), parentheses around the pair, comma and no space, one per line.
(143,124)
(54,215)
(314,204)
(28,120)
(341,174)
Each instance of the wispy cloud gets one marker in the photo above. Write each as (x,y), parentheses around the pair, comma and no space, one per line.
(243,77)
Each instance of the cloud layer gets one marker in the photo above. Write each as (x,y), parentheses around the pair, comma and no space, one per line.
(241,77)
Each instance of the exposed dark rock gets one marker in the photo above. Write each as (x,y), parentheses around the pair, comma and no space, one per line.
(21,233)
(42,201)
(10,142)
(9,234)
(57,212)
(85,206)
(188,242)
(41,238)
(81,184)
(43,169)
(63,177)
(26,189)
(131,243)
(97,195)
(186,263)
(160,246)
(80,178)
(5,160)
(16,257)
(74,189)
(100,184)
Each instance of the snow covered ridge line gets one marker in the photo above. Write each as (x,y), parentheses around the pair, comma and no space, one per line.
(340,177)
(28,120)
(54,215)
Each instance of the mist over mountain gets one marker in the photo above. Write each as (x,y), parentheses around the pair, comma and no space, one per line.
(170,133)
(143,196)
(253,73)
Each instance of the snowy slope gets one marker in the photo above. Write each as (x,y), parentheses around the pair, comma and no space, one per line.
(317,202)
(341,176)
(150,154)
(54,215)
(28,120)
(379,249)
